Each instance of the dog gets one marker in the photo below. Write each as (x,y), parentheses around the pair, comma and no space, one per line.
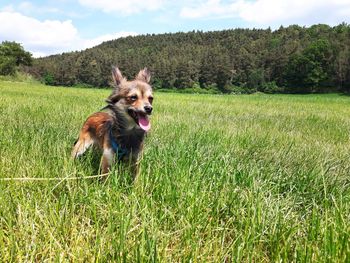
(120,127)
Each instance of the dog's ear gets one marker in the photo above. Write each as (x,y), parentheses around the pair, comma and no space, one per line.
(113,98)
(144,75)
(117,79)
(117,76)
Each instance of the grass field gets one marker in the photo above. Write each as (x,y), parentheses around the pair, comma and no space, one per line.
(249,178)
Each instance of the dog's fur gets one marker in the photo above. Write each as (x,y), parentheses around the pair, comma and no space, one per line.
(125,118)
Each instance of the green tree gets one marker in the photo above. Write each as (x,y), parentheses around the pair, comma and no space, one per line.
(292,59)
(13,55)
(7,65)
(215,68)
(256,79)
(309,70)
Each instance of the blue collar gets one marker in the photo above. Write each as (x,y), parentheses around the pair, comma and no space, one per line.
(116,147)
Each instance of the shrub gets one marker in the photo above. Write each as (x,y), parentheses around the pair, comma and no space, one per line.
(271,87)
(48,79)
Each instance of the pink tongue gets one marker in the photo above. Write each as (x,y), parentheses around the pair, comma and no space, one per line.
(144,123)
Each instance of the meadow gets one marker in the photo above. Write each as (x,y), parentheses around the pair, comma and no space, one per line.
(224,178)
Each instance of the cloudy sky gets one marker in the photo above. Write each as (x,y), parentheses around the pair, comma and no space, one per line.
(55,26)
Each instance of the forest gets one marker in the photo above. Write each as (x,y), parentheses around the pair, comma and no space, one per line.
(291,59)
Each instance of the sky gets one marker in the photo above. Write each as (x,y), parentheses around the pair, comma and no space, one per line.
(56,26)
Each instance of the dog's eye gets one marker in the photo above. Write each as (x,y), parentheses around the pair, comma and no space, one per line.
(133,98)
(150,99)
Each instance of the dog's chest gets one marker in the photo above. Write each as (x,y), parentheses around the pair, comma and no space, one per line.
(131,140)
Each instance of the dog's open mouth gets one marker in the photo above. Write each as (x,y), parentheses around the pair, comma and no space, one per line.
(141,119)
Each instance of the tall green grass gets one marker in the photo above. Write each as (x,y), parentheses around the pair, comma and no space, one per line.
(250,178)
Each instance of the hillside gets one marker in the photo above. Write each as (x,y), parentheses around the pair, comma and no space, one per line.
(293,59)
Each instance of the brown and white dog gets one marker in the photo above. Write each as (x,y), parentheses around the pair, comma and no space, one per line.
(119,128)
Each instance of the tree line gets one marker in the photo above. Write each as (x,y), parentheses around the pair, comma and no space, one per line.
(291,59)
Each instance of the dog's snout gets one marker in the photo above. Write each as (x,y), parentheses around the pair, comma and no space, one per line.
(148,109)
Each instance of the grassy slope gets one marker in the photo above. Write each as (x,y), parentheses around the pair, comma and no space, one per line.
(258,177)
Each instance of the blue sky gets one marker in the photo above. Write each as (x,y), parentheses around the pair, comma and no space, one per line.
(55,26)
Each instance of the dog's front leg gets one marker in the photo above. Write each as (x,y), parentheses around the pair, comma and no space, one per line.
(107,159)
(134,167)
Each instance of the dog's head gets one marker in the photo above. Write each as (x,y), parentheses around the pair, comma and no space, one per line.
(133,98)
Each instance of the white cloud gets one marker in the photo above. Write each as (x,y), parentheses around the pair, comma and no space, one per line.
(8,8)
(37,36)
(273,12)
(298,11)
(211,8)
(27,7)
(47,37)
(124,7)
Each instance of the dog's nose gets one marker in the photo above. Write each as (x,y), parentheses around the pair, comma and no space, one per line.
(148,109)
